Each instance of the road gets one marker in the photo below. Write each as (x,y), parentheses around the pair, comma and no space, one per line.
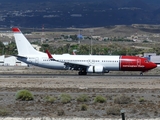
(75,81)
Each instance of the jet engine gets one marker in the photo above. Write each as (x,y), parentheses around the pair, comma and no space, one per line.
(95,69)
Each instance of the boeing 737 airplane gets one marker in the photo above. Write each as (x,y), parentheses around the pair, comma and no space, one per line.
(82,63)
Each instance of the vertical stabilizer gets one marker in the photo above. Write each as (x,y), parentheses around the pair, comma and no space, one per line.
(23,45)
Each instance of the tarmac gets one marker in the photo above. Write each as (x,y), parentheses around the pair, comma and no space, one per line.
(48,118)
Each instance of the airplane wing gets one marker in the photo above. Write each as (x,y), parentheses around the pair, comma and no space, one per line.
(72,66)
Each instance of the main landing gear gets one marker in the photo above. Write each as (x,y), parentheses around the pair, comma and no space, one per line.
(141,73)
(82,72)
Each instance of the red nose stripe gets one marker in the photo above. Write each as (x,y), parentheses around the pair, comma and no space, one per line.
(131,63)
(134,63)
(154,65)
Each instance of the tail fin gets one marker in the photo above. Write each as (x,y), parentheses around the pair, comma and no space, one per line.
(23,45)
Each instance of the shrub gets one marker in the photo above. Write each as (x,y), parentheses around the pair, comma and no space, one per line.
(24,95)
(122,100)
(100,99)
(142,100)
(3,112)
(50,99)
(60,112)
(82,98)
(113,111)
(84,107)
(65,98)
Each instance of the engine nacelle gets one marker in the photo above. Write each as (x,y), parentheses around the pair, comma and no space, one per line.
(95,69)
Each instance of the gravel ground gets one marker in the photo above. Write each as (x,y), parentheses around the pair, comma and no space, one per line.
(111,88)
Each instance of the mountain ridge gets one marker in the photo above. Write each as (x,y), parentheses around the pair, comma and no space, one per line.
(78,13)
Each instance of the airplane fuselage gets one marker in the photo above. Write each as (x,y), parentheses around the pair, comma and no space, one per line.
(95,63)
(82,63)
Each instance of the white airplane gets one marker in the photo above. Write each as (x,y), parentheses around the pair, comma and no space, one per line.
(82,63)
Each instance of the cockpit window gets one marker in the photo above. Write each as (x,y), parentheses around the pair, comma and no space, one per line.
(146,61)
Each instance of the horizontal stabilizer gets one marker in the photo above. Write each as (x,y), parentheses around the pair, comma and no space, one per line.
(20,56)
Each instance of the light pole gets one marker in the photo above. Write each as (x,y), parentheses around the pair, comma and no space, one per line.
(123,114)
(91,31)
(79,37)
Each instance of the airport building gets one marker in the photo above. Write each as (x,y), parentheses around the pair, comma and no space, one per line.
(10,61)
(153,57)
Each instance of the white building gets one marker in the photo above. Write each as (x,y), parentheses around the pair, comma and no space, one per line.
(37,47)
(11,61)
(2,60)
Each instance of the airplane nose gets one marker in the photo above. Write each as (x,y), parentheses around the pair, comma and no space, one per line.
(153,65)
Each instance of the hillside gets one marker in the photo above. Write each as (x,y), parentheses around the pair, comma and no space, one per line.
(77,13)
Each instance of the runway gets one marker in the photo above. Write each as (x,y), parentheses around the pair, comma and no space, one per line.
(77,76)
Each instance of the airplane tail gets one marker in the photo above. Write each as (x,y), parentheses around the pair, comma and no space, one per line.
(23,45)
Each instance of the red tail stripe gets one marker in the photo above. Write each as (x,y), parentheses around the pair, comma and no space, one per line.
(15,30)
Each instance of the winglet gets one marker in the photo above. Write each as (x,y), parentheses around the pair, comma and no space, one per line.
(16,30)
(74,53)
(49,54)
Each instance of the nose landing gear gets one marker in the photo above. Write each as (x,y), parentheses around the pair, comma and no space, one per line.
(141,73)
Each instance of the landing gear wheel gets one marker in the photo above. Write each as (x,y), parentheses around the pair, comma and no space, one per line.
(82,73)
(141,73)
(79,73)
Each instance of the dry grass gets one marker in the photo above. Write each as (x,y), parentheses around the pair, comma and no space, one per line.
(122,99)
(92,86)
